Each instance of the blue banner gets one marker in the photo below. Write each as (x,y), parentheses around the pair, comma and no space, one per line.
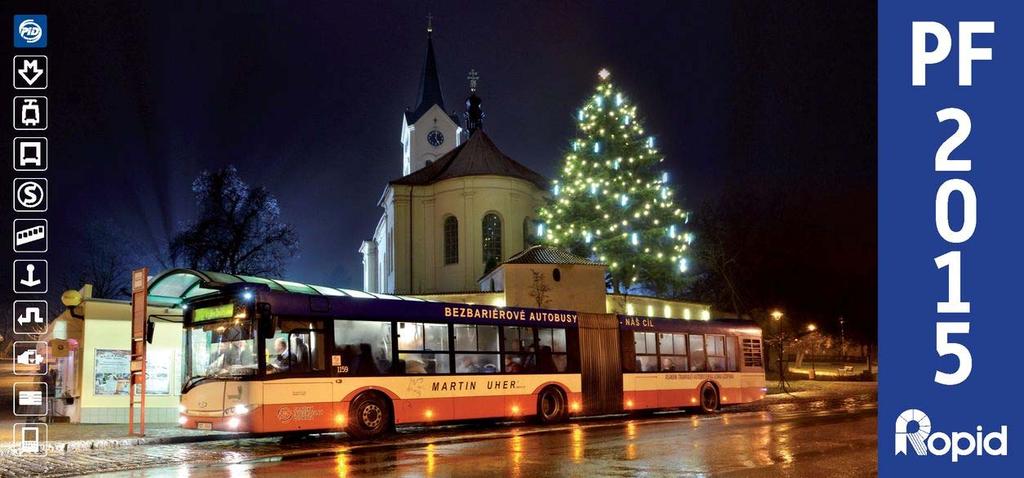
(949,211)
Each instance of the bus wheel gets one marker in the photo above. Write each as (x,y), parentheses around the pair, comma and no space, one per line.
(551,406)
(369,416)
(708,398)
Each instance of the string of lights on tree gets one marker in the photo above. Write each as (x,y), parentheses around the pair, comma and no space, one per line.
(612,201)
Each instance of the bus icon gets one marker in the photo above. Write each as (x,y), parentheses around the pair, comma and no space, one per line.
(30,154)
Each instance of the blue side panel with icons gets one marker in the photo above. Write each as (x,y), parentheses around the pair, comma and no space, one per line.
(949,238)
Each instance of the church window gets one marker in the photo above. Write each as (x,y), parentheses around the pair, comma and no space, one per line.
(527,237)
(451,240)
(491,241)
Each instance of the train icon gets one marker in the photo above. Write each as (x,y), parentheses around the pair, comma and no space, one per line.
(30,235)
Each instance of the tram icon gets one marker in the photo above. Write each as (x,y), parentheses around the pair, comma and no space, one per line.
(30,112)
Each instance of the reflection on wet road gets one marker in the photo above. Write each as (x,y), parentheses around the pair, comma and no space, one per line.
(835,438)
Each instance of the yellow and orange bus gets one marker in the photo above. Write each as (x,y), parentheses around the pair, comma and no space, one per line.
(275,358)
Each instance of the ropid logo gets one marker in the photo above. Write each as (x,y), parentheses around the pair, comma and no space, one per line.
(913,426)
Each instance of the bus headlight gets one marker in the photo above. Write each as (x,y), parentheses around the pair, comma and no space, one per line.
(234,422)
(182,420)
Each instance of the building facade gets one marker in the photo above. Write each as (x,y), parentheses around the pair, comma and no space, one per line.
(550,278)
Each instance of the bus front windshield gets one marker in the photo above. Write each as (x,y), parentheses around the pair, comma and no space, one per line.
(223,349)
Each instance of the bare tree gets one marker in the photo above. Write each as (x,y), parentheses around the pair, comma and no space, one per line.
(539,289)
(238,229)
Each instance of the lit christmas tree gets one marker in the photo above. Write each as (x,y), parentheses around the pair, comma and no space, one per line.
(612,201)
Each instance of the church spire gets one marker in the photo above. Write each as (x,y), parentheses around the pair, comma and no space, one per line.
(430,83)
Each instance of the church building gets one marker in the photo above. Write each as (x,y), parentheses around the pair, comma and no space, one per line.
(461,206)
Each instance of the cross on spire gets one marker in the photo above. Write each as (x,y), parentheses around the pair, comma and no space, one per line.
(472,77)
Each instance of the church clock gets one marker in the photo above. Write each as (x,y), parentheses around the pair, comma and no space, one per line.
(435,138)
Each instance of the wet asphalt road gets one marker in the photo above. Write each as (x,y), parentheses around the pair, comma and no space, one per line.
(833,437)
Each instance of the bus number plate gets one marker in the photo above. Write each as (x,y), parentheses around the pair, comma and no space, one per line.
(205,426)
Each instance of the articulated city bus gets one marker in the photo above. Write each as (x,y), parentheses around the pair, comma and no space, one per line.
(272,360)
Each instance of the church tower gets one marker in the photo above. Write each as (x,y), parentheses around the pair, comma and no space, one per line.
(428,131)
(461,207)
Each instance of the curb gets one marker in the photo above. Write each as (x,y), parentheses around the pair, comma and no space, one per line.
(64,447)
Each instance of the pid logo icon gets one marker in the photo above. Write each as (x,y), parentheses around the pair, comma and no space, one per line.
(30,31)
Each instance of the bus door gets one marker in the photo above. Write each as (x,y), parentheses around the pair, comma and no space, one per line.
(297,393)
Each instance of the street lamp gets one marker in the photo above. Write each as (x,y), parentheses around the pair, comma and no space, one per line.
(777,318)
(812,328)
(842,339)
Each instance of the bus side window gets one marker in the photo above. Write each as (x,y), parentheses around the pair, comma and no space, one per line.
(644,344)
(752,354)
(697,362)
(363,346)
(628,351)
(672,352)
(552,354)
(715,352)
(518,351)
(295,347)
(423,348)
(731,354)
(476,348)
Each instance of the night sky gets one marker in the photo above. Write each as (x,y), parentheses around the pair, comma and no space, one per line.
(307,99)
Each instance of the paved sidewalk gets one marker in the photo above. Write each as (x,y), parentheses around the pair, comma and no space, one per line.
(69,437)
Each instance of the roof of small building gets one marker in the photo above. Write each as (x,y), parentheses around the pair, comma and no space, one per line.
(175,286)
(549,255)
(478,156)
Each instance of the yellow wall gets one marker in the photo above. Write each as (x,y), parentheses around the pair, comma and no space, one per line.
(655,307)
(581,287)
(468,199)
(107,325)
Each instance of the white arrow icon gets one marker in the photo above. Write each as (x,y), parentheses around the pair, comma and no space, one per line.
(30,71)
(31,315)
(31,281)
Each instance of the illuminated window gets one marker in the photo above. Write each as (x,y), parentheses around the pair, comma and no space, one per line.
(752,356)
(491,241)
(672,352)
(297,346)
(470,343)
(697,358)
(541,350)
(451,240)
(716,352)
(364,346)
(423,348)
(645,344)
